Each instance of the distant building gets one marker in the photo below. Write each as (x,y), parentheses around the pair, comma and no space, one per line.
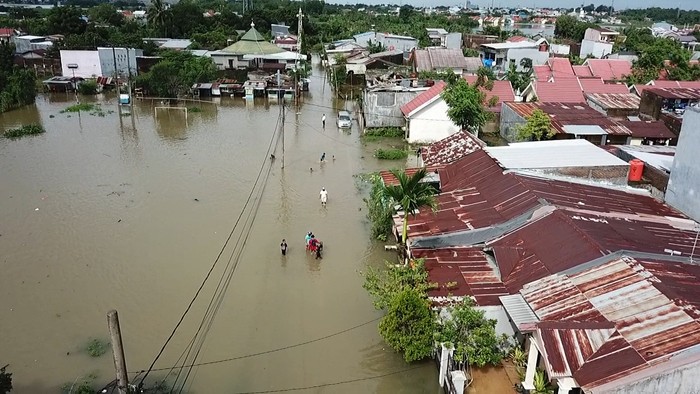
(668,104)
(253,51)
(441,38)
(390,42)
(28,43)
(442,59)
(100,63)
(6,34)
(500,56)
(598,42)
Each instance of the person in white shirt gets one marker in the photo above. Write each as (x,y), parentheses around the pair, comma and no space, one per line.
(324,196)
(323,121)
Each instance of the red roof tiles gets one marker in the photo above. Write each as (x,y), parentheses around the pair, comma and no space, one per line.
(596,85)
(582,71)
(562,89)
(423,98)
(502,90)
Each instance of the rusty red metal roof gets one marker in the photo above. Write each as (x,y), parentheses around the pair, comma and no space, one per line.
(466,267)
(676,93)
(570,114)
(648,129)
(516,39)
(423,98)
(624,100)
(640,313)
(451,148)
(390,180)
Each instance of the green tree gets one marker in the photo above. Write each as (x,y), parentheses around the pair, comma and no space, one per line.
(5,381)
(473,336)
(466,105)
(375,47)
(176,73)
(537,128)
(384,284)
(569,27)
(106,13)
(158,16)
(409,325)
(65,20)
(411,194)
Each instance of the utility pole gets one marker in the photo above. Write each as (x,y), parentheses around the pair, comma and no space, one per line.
(297,91)
(118,352)
(283,134)
(116,79)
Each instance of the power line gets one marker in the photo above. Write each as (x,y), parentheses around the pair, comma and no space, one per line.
(206,278)
(335,334)
(333,383)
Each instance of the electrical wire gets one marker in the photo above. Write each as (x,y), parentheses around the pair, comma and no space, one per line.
(225,360)
(211,269)
(333,383)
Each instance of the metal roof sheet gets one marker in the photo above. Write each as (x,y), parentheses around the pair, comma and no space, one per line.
(553,154)
(469,268)
(562,89)
(578,129)
(582,71)
(565,114)
(451,148)
(519,311)
(511,45)
(609,69)
(650,303)
(423,98)
(648,129)
(623,100)
(676,93)
(435,58)
(596,85)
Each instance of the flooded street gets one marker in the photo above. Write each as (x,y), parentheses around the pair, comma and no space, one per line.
(129,213)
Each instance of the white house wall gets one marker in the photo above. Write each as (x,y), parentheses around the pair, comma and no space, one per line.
(498,313)
(88,63)
(538,57)
(595,48)
(431,124)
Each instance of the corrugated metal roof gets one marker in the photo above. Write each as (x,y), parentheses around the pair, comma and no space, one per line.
(451,148)
(517,39)
(564,114)
(650,304)
(511,45)
(519,311)
(648,129)
(434,58)
(562,89)
(676,93)
(596,85)
(389,179)
(468,268)
(609,69)
(582,71)
(623,100)
(553,154)
(423,98)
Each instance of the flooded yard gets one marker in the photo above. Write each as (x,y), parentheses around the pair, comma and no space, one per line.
(129,213)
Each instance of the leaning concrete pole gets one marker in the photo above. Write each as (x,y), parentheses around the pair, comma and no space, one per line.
(118,352)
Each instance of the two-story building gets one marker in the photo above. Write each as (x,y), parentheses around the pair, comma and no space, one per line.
(501,55)
(598,42)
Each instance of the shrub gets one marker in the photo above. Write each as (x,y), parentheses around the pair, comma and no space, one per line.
(97,347)
(194,109)
(85,107)
(379,210)
(88,87)
(391,154)
(389,132)
(30,129)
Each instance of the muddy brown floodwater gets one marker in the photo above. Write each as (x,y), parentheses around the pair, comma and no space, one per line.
(129,213)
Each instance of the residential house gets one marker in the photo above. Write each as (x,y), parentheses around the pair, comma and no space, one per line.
(609,70)
(426,115)
(668,104)
(474,41)
(500,56)
(6,34)
(685,173)
(288,43)
(573,120)
(389,41)
(279,30)
(441,38)
(254,51)
(442,60)
(629,56)
(359,62)
(382,105)
(495,231)
(175,44)
(598,42)
(614,105)
(28,43)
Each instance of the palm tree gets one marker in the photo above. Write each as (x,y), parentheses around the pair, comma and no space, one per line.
(411,194)
(158,15)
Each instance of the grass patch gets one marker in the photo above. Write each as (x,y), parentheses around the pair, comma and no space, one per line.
(29,129)
(96,347)
(84,107)
(390,154)
(194,109)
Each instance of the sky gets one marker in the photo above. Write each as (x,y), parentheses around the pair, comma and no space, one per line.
(618,4)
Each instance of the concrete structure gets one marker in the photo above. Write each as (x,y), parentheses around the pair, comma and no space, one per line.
(92,64)
(501,55)
(683,190)
(426,117)
(382,107)
(598,42)
(84,64)
(390,42)
(441,38)
(125,61)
